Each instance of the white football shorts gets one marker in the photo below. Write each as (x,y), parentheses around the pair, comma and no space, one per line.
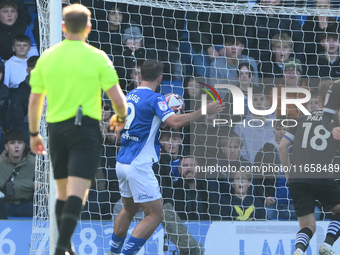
(138,182)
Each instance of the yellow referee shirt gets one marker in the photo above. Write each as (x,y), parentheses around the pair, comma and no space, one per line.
(72,74)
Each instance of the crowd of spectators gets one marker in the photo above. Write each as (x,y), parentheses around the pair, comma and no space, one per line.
(261,50)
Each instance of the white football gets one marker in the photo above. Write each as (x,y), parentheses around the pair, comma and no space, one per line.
(175,102)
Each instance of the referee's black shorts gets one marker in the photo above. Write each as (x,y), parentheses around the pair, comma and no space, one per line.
(75,150)
(304,196)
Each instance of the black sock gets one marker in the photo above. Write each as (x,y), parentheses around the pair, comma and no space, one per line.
(302,238)
(59,205)
(333,231)
(69,219)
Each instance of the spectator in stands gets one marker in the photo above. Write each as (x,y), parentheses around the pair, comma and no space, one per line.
(225,67)
(162,29)
(204,38)
(16,66)
(282,47)
(205,137)
(245,75)
(19,101)
(241,204)
(292,70)
(135,76)
(194,199)
(230,148)
(255,137)
(4,96)
(23,10)
(314,26)
(109,35)
(17,168)
(171,152)
(11,25)
(327,64)
(262,27)
(192,93)
(133,51)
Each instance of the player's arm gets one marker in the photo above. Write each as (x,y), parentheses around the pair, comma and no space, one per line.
(284,154)
(35,108)
(181,120)
(119,105)
(331,108)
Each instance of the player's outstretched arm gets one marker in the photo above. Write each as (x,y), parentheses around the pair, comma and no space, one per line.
(284,154)
(178,121)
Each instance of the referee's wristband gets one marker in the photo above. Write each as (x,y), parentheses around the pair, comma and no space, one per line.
(121,119)
(33,134)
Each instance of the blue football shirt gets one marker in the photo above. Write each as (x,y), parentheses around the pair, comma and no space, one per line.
(139,137)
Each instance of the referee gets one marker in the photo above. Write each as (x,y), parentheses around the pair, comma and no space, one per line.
(311,175)
(72,75)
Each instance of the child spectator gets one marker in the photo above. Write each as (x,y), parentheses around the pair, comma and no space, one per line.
(282,48)
(108,37)
(245,75)
(19,189)
(16,66)
(327,64)
(171,151)
(225,67)
(263,26)
(192,93)
(241,205)
(11,25)
(19,101)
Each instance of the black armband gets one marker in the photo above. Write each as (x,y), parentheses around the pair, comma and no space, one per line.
(33,134)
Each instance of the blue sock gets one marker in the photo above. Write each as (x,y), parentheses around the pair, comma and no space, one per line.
(133,245)
(117,243)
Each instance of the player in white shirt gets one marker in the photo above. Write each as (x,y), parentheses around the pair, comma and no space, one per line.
(140,148)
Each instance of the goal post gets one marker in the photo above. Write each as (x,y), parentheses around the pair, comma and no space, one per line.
(44,227)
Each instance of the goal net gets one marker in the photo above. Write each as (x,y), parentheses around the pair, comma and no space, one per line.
(203,45)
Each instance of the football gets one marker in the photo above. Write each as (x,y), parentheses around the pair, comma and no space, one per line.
(175,102)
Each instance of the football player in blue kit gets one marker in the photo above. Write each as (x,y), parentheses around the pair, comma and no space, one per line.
(140,148)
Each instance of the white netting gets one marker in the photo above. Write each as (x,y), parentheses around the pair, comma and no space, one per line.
(173,33)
